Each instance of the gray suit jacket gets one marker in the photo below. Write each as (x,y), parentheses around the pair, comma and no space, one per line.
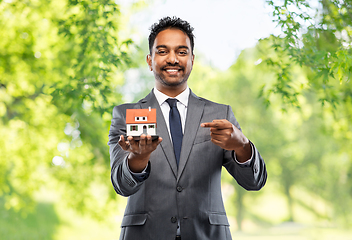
(190,193)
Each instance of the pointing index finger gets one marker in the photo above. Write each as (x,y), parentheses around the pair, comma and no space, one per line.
(218,124)
(208,124)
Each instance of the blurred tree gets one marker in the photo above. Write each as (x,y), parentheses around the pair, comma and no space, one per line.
(60,67)
(318,39)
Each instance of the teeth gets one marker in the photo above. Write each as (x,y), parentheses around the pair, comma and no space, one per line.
(171,70)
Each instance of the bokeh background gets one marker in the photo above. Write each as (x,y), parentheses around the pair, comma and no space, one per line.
(284,67)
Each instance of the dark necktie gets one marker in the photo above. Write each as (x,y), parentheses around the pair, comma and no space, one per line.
(175,127)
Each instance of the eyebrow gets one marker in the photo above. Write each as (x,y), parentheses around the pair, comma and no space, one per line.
(164,46)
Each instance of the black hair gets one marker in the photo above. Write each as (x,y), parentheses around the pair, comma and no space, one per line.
(166,23)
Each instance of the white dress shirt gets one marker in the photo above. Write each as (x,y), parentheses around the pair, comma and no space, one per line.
(182,105)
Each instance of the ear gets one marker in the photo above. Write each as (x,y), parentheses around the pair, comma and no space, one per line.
(149,61)
(193,58)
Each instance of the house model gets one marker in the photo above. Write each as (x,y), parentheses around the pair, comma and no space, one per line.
(139,121)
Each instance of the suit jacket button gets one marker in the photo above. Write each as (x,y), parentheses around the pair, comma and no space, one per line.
(173,219)
(179,189)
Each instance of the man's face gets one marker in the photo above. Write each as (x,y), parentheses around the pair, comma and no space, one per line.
(171,59)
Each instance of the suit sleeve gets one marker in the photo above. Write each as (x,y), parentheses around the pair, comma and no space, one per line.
(250,176)
(122,179)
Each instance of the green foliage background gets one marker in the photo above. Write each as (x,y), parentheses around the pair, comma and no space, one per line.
(65,64)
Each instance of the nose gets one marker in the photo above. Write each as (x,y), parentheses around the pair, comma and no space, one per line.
(172,58)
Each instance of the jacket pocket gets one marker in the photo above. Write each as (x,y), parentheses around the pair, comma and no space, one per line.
(134,220)
(218,219)
(202,138)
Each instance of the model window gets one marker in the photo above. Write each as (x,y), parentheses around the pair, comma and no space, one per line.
(140,119)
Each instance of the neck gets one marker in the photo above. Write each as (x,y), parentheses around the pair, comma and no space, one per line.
(171,91)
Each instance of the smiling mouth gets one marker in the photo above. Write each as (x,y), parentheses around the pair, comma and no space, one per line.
(172,70)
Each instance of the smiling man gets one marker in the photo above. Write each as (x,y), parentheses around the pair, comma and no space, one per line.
(174,182)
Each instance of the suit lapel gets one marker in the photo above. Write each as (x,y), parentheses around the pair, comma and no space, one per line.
(194,114)
(166,144)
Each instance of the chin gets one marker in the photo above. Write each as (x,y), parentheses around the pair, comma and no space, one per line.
(172,82)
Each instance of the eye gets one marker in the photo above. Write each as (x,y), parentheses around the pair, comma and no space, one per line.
(161,52)
(183,52)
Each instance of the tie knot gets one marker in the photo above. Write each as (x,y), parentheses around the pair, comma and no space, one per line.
(172,102)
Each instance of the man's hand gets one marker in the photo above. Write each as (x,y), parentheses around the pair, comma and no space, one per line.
(139,151)
(229,137)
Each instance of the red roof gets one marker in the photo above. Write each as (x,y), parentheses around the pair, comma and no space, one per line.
(131,115)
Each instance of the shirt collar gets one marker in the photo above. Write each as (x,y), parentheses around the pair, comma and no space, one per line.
(182,97)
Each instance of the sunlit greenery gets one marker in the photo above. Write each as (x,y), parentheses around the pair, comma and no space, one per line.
(65,64)
(61,63)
